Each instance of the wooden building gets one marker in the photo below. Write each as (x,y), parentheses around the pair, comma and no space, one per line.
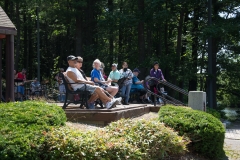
(7,33)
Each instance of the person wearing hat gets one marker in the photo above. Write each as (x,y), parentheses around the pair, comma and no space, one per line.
(137,85)
(156,73)
(114,74)
(74,76)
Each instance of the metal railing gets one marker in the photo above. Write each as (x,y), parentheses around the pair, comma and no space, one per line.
(166,98)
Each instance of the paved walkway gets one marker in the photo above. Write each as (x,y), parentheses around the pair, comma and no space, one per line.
(232,142)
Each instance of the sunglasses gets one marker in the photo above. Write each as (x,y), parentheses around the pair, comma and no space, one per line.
(79,61)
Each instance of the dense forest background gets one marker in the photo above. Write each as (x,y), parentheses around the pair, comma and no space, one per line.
(172,32)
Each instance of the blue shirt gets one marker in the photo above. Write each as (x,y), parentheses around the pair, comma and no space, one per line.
(96,74)
(136,86)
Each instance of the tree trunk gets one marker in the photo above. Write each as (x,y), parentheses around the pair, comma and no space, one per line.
(18,35)
(179,49)
(120,37)
(25,37)
(78,40)
(193,80)
(110,7)
(141,41)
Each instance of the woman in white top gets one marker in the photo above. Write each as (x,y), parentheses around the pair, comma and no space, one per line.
(127,73)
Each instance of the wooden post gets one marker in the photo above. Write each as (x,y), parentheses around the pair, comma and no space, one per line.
(1,69)
(9,68)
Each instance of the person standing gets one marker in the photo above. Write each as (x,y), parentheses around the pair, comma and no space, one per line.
(114,75)
(125,72)
(156,73)
(20,85)
(61,87)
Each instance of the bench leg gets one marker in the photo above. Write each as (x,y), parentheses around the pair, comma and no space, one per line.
(65,102)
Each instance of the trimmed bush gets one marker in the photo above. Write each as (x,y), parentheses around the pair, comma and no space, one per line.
(124,139)
(23,125)
(214,112)
(204,130)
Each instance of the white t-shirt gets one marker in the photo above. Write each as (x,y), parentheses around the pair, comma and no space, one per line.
(79,77)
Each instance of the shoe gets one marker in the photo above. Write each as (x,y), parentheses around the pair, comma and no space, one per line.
(111,104)
(91,106)
(125,103)
(118,100)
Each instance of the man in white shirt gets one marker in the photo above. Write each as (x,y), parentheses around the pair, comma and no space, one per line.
(74,76)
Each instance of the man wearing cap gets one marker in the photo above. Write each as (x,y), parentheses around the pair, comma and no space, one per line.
(74,76)
(114,74)
(138,85)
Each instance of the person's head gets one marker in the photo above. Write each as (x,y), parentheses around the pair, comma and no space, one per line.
(72,60)
(114,67)
(35,79)
(97,64)
(61,69)
(24,70)
(136,72)
(155,65)
(124,65)
(79,62)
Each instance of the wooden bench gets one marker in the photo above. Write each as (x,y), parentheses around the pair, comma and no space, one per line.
(83,94)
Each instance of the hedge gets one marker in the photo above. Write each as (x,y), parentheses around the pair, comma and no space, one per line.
(23,126)
(204,130)
(34,130)
(124,139)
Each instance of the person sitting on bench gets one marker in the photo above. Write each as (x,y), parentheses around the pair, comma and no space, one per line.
(114,75)
(96,77)
(74,76)
(138,85)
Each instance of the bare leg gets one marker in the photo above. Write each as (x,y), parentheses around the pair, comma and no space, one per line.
(112,90)
(102,96)
(93,98)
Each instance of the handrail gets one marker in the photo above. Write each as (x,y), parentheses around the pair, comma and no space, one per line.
(170,99)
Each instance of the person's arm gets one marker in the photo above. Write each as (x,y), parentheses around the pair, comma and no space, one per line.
(130,74)
(152,73)
(16,76)
(161,74)
(73,76)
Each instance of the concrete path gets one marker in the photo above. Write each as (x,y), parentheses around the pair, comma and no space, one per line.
(232,142)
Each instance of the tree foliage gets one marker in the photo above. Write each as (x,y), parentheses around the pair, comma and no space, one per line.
(173,32)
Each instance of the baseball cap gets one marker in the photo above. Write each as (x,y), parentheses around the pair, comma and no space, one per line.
(136,70)
(71,57)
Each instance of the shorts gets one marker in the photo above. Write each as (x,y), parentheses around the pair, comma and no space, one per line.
(103,86)
(20,89)
(89,88)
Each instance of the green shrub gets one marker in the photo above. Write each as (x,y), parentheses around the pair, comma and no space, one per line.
(124,139)
(205,131)
(23,125)
(214,112)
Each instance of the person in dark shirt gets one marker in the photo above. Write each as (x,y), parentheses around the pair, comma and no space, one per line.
(156,73)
